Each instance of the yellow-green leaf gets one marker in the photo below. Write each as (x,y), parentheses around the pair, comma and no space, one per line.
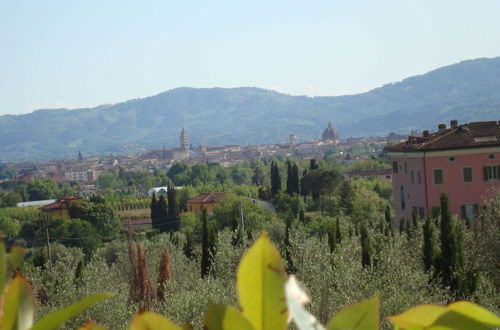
(17,305)
(91,325)
(363,316)
(418,316)
(55,319)
(475,312)
(261,286)
(152,321)
(221,317)
(458,316)
(16,256)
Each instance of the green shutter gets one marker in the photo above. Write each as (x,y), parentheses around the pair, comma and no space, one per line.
(464,213)
(485,173)
(498,172)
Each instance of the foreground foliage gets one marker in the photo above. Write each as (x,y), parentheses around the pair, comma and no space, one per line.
(268,299)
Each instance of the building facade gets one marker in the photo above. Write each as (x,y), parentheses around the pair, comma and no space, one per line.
(462,161)
(204,201)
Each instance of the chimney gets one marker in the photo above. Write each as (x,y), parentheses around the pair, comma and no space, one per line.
(425,133)
(453,124)
(441,128)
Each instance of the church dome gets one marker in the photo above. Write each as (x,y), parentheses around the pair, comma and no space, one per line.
(330,133)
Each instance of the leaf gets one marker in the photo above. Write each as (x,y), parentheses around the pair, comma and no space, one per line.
(475,312)
(16,257)
(3,265)
(363,316)
(261,282)
(91,325)
(221,317)
(56,319)
(459,315)
(418,316)
(296,298)
(17,305)
(152,321)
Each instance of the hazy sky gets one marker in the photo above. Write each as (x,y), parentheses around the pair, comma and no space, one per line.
(72,53)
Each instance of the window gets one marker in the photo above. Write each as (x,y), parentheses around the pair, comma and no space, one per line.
(451,159)
(491,156)
(467,174)
(491,173)
(406,168)
(419,177)
(394,167)
(403,203)
(412,177)
(469,211)
(438,176)
(421,212)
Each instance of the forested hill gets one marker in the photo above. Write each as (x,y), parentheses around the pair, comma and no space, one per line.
(467,91)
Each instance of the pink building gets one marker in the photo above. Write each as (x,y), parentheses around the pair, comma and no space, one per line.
(462,161)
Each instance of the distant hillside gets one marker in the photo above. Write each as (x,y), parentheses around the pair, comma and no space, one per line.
(467,91)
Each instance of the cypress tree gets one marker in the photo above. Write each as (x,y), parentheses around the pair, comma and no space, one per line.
(346,195)
(451,260)
(302,217)
(173,218)
(296,181)
(402,225)
(366,246)
(429,247)
(154,212)
(332,238)
(205,244)
(388,218)
(188,247)
(162,214)
(275,179)
(338,233)
(289,179)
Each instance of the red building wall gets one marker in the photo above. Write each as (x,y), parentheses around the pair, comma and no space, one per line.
(425,193)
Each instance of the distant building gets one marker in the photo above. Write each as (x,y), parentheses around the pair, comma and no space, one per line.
(207,201)
(381,174)
(462,161)
(330,134)
(184,139)
(59,208)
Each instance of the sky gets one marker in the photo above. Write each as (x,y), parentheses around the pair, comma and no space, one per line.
(75,54)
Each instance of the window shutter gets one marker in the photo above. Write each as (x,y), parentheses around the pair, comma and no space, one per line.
(498,172)
(464,212)
(485,173)
(476,211)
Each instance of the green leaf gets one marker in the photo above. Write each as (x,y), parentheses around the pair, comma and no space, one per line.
(296,298)
(17,305)
(16,256)
(459,315)
(55,319)
(261,286)
(152,321)
(221,317)
(3,265)
(418,316)
(363,316)
(475,312)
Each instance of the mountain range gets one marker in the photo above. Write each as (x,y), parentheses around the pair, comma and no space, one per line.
(466,91)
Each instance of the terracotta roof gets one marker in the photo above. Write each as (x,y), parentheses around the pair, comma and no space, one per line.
(471,135)
(206,198)
(51,206)
(381,171)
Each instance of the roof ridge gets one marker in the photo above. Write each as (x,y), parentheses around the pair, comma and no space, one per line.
(437,138)
(204,200)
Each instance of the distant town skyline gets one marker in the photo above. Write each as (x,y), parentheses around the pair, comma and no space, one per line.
(77,54)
